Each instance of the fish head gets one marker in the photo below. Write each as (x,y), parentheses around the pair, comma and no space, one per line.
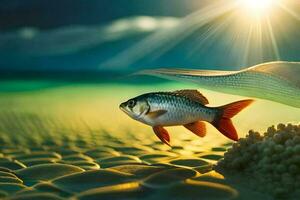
(136,108)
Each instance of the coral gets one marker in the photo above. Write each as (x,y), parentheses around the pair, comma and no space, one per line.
(270,161)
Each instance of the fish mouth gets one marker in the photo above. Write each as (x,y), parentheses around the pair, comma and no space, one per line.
(122,107)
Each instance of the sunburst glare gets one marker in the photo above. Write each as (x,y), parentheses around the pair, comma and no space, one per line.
(247,30)
(257,8)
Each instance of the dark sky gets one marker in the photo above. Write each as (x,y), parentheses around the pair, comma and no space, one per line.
(54,13)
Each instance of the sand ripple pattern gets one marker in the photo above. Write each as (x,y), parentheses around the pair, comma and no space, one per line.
(117,169)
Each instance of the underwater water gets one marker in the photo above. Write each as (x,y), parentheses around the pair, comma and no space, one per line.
(69,140)
(65,67)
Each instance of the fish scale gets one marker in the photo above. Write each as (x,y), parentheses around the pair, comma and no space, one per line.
(180,109)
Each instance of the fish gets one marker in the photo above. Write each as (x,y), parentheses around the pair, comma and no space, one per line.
(186,108)
(274,81)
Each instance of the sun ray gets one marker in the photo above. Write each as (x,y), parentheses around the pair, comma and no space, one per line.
(242,29)
(247,46)
(206,39)
(165,39)
(290,11)
(273,39)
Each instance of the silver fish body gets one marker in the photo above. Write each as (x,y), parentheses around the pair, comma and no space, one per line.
(184,107)
(180,110)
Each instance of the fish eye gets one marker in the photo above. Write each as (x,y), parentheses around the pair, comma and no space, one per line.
(131,103)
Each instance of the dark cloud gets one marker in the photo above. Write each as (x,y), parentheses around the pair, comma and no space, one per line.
(54,13)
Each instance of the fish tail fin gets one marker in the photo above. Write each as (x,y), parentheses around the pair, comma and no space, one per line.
(223,120)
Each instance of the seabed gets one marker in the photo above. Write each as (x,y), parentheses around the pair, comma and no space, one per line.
(71,142)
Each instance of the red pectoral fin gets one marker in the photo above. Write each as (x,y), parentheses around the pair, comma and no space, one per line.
(198,128)
(162,134)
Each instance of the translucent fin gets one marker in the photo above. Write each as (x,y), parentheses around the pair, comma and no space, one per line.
(274,81)
(290,71)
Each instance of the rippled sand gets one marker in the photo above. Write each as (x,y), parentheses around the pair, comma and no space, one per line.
(73,142)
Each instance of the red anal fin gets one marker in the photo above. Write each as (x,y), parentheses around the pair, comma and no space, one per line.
(162,134)
(198,128)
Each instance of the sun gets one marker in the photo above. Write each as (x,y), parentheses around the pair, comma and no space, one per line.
(257,8)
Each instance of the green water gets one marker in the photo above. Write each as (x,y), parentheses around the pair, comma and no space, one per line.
(70,140)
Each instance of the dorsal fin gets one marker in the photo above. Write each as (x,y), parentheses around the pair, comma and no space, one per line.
(194,95)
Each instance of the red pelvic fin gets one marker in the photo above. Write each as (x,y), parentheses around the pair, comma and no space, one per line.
(162,134)
(198,128)
(223,122)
